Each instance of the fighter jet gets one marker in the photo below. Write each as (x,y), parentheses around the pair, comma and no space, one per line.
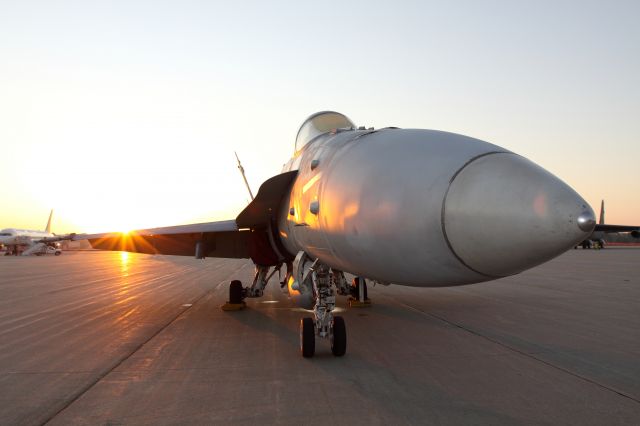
(408,207)
(602,232)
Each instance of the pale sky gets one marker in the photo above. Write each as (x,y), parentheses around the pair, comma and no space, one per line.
(125,114)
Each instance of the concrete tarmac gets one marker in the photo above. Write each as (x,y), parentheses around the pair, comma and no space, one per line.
(112,338)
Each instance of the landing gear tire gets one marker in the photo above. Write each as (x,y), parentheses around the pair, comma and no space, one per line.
(236,297)
(339,337)
(307,337)
(355,288)
(359,297)
(235,292)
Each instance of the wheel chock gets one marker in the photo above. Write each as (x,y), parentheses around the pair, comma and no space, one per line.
(355,303)
(233,306)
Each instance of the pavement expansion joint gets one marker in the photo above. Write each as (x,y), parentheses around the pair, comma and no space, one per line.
(119,362)
(518,351)
(555,345)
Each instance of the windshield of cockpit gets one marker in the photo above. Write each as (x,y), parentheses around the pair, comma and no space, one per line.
(319,123)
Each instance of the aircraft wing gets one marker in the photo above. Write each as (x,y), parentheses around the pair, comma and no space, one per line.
(212,239)
(616,228)
(250,235)
(56,238)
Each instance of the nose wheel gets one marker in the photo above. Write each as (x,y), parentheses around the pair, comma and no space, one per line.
(338,336)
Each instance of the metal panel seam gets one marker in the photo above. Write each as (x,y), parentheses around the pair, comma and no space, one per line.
(444,202)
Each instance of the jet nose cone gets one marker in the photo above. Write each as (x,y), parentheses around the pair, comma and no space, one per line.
(503,214)
(587,221)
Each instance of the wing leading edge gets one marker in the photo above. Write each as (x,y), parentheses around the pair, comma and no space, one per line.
(212,239)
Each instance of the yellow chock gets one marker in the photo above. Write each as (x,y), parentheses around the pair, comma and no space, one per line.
(233,306)
(355,303)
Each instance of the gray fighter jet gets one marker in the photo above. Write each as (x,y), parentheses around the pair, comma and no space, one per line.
(409,207)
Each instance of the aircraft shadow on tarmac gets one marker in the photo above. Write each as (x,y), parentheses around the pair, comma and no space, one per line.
(392,389)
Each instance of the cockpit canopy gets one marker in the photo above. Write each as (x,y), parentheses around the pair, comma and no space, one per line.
(319,123)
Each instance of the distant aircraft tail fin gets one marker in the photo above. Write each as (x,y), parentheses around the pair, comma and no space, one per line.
(601,213)
(48,228)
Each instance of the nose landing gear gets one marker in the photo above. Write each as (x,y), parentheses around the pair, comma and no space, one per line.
(324,324)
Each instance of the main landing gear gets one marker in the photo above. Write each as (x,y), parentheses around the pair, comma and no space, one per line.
(359,297)
(237,293)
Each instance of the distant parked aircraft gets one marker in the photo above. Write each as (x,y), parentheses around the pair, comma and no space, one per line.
(601,232)
(28,242)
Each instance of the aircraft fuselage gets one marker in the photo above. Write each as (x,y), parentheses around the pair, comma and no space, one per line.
(426,208)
